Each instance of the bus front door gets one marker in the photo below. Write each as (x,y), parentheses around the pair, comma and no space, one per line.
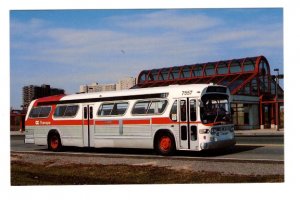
(88,125)
(187,122)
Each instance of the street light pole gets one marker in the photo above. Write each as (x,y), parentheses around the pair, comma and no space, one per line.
(276,99)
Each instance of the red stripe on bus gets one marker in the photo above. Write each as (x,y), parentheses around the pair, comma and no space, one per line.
(107,122)
(136,121)
(156,121)
(164,120)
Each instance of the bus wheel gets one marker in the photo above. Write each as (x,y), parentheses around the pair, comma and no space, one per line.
(165,145)
(54,142)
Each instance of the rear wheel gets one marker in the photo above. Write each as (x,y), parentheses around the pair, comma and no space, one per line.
(165,145)
(54,142)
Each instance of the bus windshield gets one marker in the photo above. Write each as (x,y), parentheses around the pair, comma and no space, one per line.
(215,108)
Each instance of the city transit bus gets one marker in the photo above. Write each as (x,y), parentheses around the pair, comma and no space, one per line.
(178,117)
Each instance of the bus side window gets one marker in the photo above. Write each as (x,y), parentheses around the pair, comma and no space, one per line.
(85,112)
(34,113)
(183,110)
(91,112)
(60,111)
(173,112)
(71,111)
(193,116)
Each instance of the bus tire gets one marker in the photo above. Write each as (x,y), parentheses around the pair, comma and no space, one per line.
(54,142)
(165,144)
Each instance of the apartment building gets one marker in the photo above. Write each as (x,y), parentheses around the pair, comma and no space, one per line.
(32,92)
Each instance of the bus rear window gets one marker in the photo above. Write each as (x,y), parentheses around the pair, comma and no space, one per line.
(66,111)
(40,112)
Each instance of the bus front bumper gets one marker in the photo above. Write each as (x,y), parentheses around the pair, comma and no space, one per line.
(218,144)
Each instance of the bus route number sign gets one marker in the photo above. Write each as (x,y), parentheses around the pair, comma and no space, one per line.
(186,92)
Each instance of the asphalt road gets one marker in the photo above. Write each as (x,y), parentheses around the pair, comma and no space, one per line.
(255,148)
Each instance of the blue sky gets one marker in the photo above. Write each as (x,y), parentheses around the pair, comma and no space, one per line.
(68,48)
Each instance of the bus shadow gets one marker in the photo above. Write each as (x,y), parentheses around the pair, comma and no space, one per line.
(150,152)
(219,152)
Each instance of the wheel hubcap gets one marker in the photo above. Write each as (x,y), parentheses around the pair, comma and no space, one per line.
(165,143)
(54,142)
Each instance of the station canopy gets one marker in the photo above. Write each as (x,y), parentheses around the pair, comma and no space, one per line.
(244,76)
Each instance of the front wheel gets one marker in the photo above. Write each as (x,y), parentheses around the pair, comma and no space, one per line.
(165,145)
(54,142)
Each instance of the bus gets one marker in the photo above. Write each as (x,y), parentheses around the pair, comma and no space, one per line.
(191,117)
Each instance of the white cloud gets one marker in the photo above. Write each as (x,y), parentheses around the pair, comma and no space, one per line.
(166,20)
(27,29)
(230,36)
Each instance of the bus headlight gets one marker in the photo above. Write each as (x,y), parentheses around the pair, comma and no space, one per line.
(203,131)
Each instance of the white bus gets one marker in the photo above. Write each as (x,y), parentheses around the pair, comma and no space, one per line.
(177,117)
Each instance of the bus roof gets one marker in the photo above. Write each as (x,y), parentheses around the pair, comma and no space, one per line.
(141,93)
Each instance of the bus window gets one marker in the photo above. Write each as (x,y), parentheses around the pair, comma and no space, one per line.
(141,107)
(42,112)
(66,111)
(60,111)
(193,116)
(45,111)
(150,107)
(214,108)
(193,133)
(183,110)
(157,107)
(173,113)
(183,133)
(111,109)
(121,108)
(71,111)
(91,112)
(85,113)
(105,109)
(35,112)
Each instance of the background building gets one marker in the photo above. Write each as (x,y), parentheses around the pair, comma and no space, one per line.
(95,87)
(126,83)
(123,84)
(32,92)
(257,96)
